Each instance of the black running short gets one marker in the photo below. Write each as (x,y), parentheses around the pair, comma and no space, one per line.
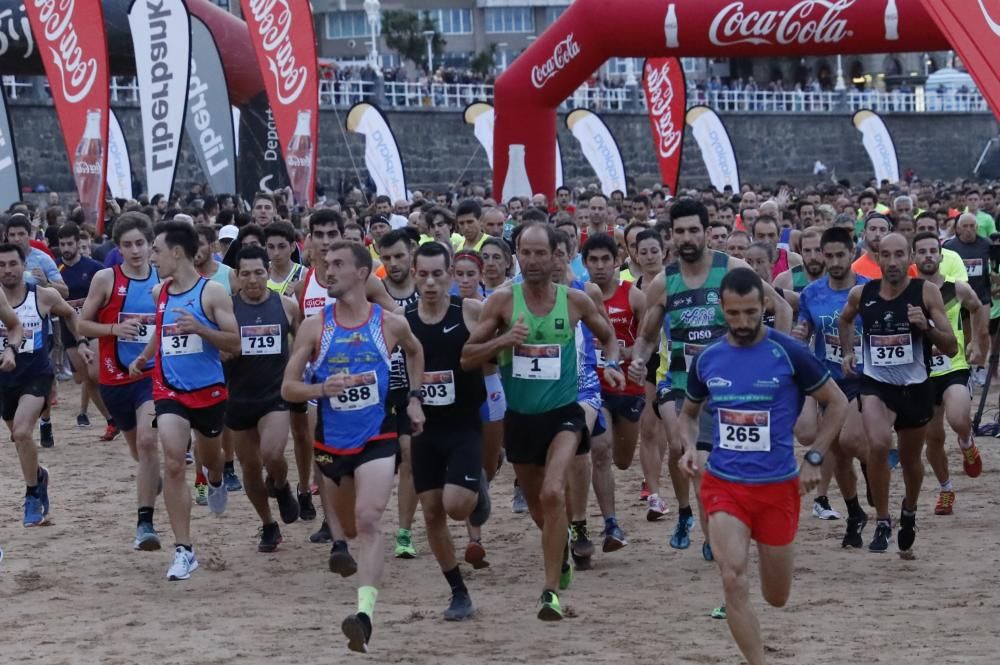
(298,407)
(37,386)
(942,383)
(336,467)
(912,404)
(208,420)
(851,387)
(706,423)
(399,401)
(453,457)
(527,437)
(122,401)
(652,367)
(624,407)
(994,326)
(242,416)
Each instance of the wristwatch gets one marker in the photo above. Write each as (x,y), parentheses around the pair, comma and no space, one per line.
(814,457)
(417,395)
(613,364)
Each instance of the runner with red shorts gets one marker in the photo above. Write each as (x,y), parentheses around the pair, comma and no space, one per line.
(755,381)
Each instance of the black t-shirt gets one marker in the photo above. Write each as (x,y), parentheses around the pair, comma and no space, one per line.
(976,257)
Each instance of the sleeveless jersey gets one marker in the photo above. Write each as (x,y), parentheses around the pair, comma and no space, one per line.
(895,352)
(255,375)
(221,277)
(452,396)
(693,316)
(314,296)
(541,374)
(781,265)
(131,299)
(32,356)
(799,279)
(770,318)
(940,363)
(345,423)
(619,309)
(588,385)
(291,278)
(398,380)
(784,241)
(187,367)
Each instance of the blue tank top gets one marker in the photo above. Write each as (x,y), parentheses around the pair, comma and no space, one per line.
(186,363)
(345,423)
(32,356)
(588,382)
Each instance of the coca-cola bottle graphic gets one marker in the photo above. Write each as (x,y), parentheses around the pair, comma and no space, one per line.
(88,166)
(516,182)
(299,158)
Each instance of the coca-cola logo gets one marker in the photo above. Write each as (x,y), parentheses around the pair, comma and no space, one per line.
(562,55)
(660,97)
(991,22)
(274,22)
(87,168)
(301,162)
(77,72)
(806,22)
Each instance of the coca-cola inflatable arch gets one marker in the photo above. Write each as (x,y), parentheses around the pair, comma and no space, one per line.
(591,31)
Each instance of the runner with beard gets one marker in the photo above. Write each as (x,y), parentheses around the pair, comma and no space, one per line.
(760,257)
(811,269)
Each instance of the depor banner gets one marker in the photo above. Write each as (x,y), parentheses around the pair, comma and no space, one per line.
(480,116)
(209,121)
(10,183)
(666,99)
(716,148)
(71,42)
(382,159)
(119,160)
(261,168)
(283,37)
(600,149)
(161,35)
(878,144)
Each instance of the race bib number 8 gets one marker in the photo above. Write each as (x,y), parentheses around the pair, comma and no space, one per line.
(438,388)
(537,362)
(260,340)
(147,323)
(27,342)
(891,350)
(360,392)
(745,431)
(173,342)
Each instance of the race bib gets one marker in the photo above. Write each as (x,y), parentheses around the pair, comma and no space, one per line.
(939,362)
(745,431)
(147,323)
(360,392)
(260,340)
(690,351)
(438,388)
(541,362)
(601,361)
(891,350)
(974,267)
(835,352)
(173,342)
(27,342)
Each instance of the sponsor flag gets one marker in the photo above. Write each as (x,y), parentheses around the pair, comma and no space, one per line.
(261,168)
(71,43)
(878,144)
(209,121)
(481,116)
(382,159)
(666,100)
(161,36)
(10,184)
(119,161)
(716,148)
(285,42)
(600,149)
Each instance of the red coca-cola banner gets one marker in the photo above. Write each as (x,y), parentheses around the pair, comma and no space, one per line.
(73,48)
(666,99)
(283,37)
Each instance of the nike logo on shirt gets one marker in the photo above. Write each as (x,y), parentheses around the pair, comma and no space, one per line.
(449,329)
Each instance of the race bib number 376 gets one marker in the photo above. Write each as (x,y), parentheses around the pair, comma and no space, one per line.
(891,350)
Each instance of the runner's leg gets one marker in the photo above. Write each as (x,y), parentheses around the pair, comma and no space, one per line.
(731,547)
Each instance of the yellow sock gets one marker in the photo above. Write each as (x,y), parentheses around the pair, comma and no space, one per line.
(367,595)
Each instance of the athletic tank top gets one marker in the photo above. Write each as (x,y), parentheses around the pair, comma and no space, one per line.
(785,239)
(32,356)
(895,352)
(398,380)
(187,368)
(940,363)
(292,277)
(314,296)
(541,374)
(221,276)
(619,309)
(130,300)
(781,265)
(255,375)
(694,317)
(770,318)
(799,279)
(345,423)
(452,396)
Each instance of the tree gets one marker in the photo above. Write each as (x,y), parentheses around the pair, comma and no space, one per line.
(482,63)
(403,31)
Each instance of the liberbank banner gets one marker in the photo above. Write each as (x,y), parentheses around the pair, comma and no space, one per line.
(209,123)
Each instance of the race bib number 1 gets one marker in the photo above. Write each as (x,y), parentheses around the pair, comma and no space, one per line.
(745,431)
(173,342)
(260,340)
(835,352)
(438,388)
(891,350)
(360,392)
(147,323)
(537,362)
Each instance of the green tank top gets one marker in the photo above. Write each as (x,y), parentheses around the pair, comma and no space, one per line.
(282,286)
(941,364)
(541,374)
(693,318)
(799,279)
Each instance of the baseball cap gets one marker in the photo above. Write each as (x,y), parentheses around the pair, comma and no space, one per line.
(229,232)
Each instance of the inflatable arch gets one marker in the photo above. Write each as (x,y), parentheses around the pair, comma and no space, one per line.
(591,31)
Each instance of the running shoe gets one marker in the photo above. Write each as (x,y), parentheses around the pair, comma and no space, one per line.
(565,576)
(907,531)
(341,562)
(217,498)
(979,376)
(288,505)
(201,494)
(614,537)
(475,555)
(706,552)
(581,545)
(518,504)
(270,538)
(404,545)
(146,538)
(883,534)
(822,509)
(307,512)
(656,508)
(855,526)
(321,535)
(358,630)
(111,431)
(945,503)
(83,420)
(43,488)
(45,434)
(481,512)
(460,607)
(893,458)
(34,515)
(184,564)
(549,608)
(644,491)
(971,461)
(719,612)
(681,540)
(231,480)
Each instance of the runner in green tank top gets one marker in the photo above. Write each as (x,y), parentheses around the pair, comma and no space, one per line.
(950,375)
(531,327)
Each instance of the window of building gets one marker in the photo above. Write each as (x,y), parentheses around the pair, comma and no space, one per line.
(510,19)
(455,21)
(552,13)
(348,25)
(619,66)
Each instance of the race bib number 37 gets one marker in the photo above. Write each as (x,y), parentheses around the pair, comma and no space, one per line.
(745,431)
(173,342)
(891,350)
(537,362)
(260,340)
(360,392)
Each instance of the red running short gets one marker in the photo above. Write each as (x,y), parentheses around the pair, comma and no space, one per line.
(771,510)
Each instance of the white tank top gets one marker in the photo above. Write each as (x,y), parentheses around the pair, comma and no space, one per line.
(314,296)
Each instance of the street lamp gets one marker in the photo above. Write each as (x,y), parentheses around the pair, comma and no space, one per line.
(429,36)
(840,86)
(373,10)
(503,52)
(630,80)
